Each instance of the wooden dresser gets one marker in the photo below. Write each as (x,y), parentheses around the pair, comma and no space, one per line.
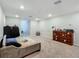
(64,37)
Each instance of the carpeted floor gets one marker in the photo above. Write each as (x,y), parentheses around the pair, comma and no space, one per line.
(53,49)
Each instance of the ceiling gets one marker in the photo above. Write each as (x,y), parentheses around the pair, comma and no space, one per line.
(39,8)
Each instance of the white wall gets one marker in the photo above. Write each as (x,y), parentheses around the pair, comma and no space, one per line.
(70,21)
(37,26)
(66,22)
(33,27)
(11,21)
(2,22)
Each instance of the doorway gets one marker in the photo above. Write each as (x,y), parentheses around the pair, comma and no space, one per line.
(25,27)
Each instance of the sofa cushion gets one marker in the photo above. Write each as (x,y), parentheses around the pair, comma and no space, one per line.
(9,52)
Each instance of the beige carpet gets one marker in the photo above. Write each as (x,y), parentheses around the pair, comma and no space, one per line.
(53,49)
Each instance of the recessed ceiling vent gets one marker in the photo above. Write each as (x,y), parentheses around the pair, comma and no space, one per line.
(57,2)
(30,16)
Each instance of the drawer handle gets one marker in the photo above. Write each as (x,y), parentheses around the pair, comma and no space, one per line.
(56,39)
(68,33)
(56,36)
(63,35)
(64,40)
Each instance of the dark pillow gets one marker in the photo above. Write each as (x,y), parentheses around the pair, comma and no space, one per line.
(11,32)
(14,44)
(15,31)
(1,43)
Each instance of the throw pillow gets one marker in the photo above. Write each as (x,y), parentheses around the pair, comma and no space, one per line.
(8,40)
(14,44)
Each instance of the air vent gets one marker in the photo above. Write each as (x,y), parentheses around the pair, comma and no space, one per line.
(30,16)
(57,2)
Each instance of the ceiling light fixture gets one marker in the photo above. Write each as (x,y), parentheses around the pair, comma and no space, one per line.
(22,7)
(50,15)
(17,16)
(57,2)
(37,19)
